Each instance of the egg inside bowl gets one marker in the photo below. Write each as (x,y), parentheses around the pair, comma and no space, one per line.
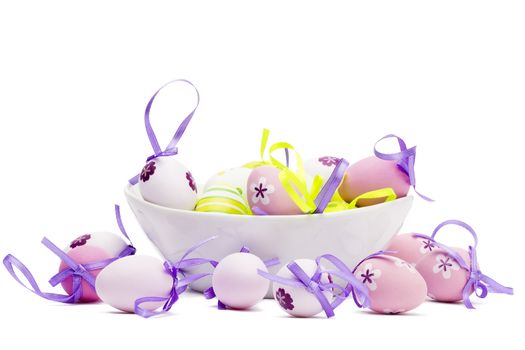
(350,235)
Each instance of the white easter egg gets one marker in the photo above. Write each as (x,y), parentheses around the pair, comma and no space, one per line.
(234,177)
(166,182)
(133,277)
(236,282)
(298,301)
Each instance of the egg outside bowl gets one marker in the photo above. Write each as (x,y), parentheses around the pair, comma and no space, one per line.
(350,235)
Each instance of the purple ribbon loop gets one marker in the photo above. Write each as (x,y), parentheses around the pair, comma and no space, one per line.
(171,149)
(77,271)
(478,282)
(327,192)
(179,285)
(406,159)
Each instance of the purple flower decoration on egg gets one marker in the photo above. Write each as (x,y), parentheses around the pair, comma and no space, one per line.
(80,241)
(445,265)
(284,299)
(426,245)
(261,191)
(329,161)
(147,171)
(369,275)
(191,181)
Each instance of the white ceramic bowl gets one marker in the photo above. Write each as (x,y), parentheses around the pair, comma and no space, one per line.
(350,235)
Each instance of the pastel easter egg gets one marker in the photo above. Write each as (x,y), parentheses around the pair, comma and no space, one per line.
(90,248)
(234,177)
(223,199)
(166,182)
(298,301)
(266,192)
(410,248)
(394,285)
(236,282)
(444,276)
(371,174)
(131,278)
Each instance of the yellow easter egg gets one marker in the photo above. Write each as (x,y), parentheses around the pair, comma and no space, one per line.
(223,199)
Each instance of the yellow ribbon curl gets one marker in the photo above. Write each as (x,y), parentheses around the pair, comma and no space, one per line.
(262,162)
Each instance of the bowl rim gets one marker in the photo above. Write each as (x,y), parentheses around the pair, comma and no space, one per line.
(130,192)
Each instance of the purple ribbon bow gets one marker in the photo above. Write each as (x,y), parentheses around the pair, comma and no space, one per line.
(325,195)
(405,160)
(478,282)
(171,149)
(180,285)
(315,286)
(75,270)
(209,293)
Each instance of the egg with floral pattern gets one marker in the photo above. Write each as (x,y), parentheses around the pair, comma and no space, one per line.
(234,177)
(266,192)
(371,174)
(394,285)
(444,276)
(236,282)
(90,248)
(298,301)
(167,182)
(410,248)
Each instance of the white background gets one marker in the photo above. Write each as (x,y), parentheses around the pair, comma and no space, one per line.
(329,77)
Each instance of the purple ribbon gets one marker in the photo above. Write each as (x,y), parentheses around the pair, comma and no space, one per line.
(180,285)
(479,282)
(209,293)
(315,286)
(405,160)
(75,270)
(325,195)
(171,149)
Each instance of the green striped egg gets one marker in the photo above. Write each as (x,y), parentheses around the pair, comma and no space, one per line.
(223,199)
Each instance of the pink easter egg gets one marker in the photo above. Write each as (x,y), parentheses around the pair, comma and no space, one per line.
(89,248)
(444,276)
(266,192)
(371,174)
(410,248)
(167,182)
(298,301)
(394,285)
(236,282)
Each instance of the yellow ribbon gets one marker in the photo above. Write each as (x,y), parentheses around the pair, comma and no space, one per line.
(294,183)
(262,162)
(387,193)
